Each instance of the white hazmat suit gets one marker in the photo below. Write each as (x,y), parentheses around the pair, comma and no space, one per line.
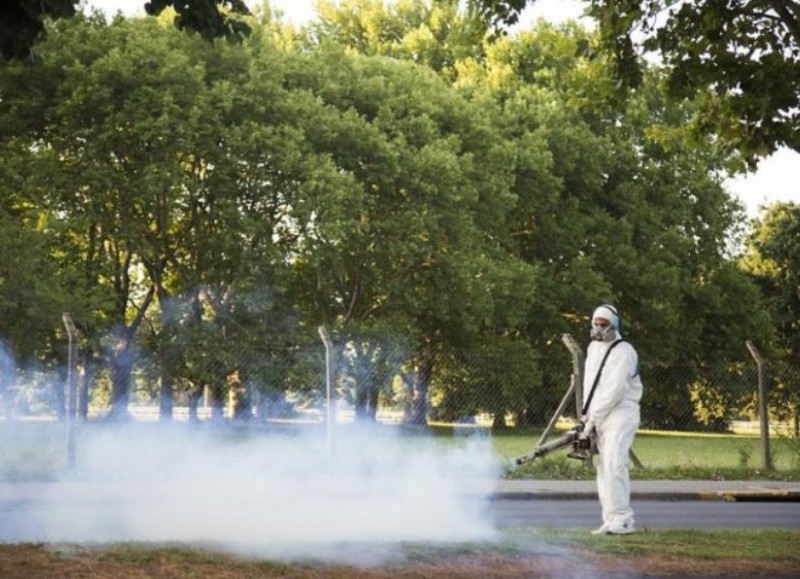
(614,414)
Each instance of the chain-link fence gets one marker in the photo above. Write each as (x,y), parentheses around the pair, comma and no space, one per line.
(504,384)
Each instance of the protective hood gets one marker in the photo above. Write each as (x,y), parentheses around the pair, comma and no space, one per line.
(610,332)
(608,313)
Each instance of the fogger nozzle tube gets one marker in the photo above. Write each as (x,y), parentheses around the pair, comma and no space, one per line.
(580,443)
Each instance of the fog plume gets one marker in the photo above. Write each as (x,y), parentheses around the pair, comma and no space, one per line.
(278,495)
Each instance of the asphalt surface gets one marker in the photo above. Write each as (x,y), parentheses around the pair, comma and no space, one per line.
(94,507)
(680,514)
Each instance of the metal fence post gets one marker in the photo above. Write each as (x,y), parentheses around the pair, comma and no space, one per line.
(763,407)
(577,370)
(329,388)
(70,389)
(574,387)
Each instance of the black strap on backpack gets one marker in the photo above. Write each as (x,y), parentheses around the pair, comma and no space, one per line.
(597,378)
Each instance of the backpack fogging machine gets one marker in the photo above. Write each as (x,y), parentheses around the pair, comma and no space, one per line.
(582,442)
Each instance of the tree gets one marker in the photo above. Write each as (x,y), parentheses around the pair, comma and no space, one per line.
(152,207)
(609,193)
(474,210)
(124,169)
(435,34)
(499,13)
(606,193)
(739,59)
(210,18)
(34,291)
(22,21)
(417,213)
(773,260)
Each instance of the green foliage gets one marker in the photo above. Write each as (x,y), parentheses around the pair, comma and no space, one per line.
(772,262)
(22,23)
(496,377)
(739,61)
(419,157)
(201,203)
(210,18)
(435,34)
(499,13)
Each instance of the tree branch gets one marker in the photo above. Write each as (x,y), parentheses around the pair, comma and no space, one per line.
(791,20)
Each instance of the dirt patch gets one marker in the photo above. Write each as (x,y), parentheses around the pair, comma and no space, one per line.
(39,561)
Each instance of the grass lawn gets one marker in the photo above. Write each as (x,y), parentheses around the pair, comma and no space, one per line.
(37,450)
(523,553)
(668,455)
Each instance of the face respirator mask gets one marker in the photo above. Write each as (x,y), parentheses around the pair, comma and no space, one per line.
(602,333)
(605,324)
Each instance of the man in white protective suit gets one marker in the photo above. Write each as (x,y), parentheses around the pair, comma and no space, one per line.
(613,412)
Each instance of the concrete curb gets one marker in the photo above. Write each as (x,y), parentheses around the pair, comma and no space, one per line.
(573,496)
(729,496)
(732,491)
(784,495)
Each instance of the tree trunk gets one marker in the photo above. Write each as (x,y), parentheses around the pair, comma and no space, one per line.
(84,386)
(5,398)
(417,384)
(366,402)
(240,399)
(217,403)
(194,402)
(165,394)
(6,380)
(121,361)
(61,398)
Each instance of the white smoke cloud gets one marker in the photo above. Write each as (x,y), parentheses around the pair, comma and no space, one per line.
(282,496)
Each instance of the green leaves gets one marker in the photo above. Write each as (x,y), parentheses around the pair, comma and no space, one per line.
(210,18)
(23,23)
(744,54)
(461,194)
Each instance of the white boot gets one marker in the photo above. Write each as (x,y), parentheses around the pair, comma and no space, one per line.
(624,528)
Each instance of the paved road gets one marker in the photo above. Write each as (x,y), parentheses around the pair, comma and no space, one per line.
(20,520)
(529,503)
(659,504)
(650,514)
